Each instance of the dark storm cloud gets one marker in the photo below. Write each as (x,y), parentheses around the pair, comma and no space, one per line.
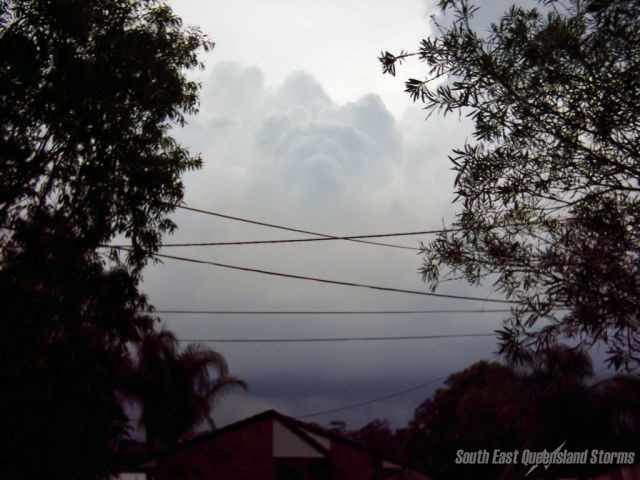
(292,155)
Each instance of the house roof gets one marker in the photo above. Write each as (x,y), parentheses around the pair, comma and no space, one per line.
(206,436)
(346,441)
(299,428)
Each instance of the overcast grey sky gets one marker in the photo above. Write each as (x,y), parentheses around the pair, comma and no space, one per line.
(299,127)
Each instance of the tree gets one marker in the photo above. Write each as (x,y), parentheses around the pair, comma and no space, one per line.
(465,415)
(549,185)
(378,435)
(89,90)
(549,400)
(88,93)
(176,389)
(67,326)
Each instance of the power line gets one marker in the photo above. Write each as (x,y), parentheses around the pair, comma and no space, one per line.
(298,230)
(323,280)
(374,400)
(309,239)
(380,399)
(322,312)
(332,339)
(289,240)
(323,237)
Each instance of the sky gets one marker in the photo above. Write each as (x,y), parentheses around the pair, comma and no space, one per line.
(298,127)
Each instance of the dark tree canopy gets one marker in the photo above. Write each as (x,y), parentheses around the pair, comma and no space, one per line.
(67,326)
(89,90)
(549,186)
(548,400)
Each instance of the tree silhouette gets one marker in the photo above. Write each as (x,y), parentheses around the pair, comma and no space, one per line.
(89,90)
(67,326)
(176,388)
(378,435)
(465,415)
(562,404)
(548,186)
(539,405)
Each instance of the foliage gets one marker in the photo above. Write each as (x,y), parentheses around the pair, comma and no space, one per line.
(378,435)
(67,324)
(88,93)
(176,389)
(89,90)
(549,184)
(466,415)
(539,405)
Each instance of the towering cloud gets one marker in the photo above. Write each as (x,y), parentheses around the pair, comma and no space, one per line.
(290,154)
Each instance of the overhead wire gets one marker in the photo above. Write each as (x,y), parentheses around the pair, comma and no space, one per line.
(398,394)
(319,236)
(332,339)
(373,400)
(324,280)
(379,399)
(288,240)
(297,230)
(324,312)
